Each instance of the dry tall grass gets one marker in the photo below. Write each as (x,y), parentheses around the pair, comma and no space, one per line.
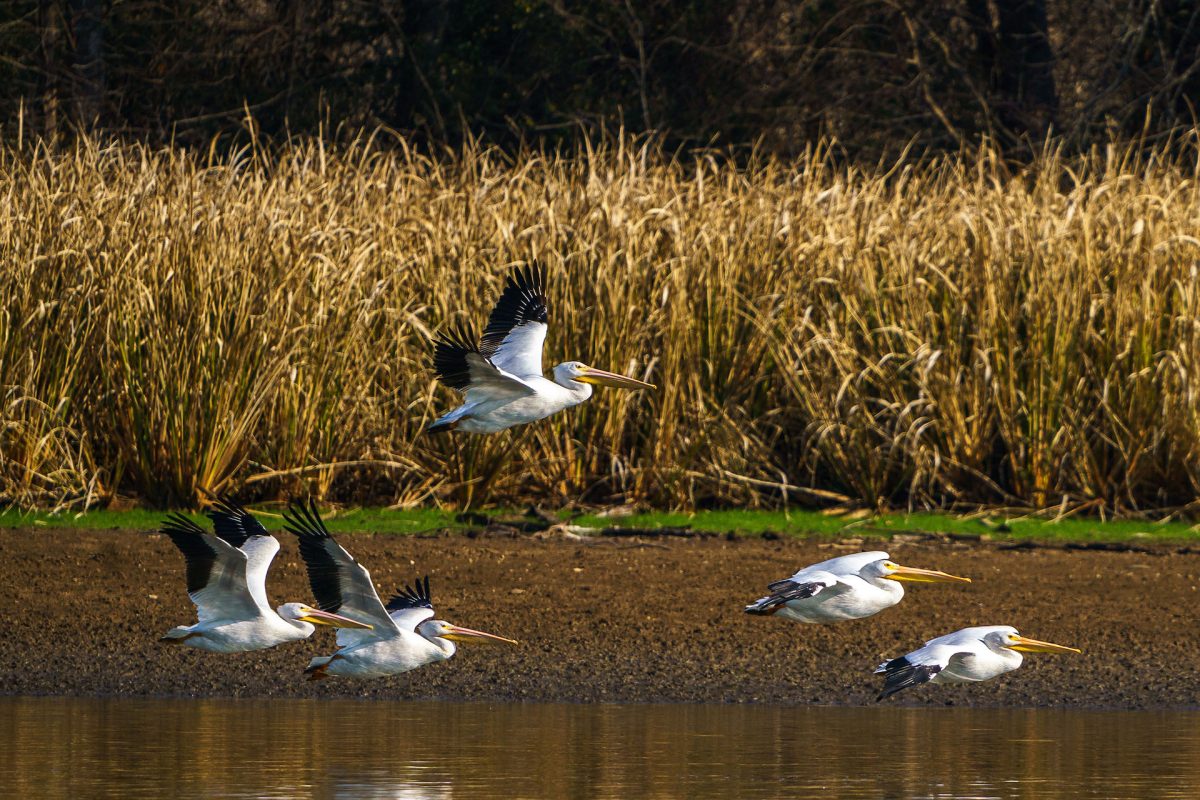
(928,334)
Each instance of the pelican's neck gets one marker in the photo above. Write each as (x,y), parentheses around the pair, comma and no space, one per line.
(1011,656)
(300,625)
(446,647)
(892,588)
(579,391)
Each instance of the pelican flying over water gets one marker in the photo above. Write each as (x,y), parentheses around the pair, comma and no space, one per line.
(226,579)
(848,587)
(500,376)
(401,636)
(966,656)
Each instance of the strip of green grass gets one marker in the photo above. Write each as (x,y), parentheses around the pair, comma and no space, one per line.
(885,526)
(795,523)
(377,520)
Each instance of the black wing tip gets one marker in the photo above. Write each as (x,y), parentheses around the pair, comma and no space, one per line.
(784,591)
(530,277)
(176,523)
(199,555)
(224,504)
(766,606)
(304,521)
(522,302)
(901,674)
(233,522)
(459,336)
(410,597)
(450,350)
(896,664)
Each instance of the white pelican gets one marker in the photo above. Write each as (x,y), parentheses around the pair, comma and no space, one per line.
(500,377)
(848,587)
(226,579)
(403,635)
(966,656)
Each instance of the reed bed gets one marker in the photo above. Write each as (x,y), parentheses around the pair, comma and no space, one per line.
(941,332)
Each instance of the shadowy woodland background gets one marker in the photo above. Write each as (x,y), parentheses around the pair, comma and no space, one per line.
(925,254)
(874,74)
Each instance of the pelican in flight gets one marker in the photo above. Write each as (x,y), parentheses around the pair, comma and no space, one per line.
(966,656)
(848,587)
(399,637)
(500,376)
(226,579)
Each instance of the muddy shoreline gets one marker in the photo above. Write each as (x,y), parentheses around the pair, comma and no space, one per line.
(614,620)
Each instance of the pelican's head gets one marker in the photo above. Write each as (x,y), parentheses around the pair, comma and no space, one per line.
(886,568)
(299,612)
(1007,637)
(579,372)
(440,629)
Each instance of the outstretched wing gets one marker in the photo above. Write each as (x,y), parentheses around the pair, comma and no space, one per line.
(410,606)
(216,572)
(233,523)
(844,565)
(516,329)
(919,666)
(459,364)
(900,673)
(339,583)
(800,586)
(237,526)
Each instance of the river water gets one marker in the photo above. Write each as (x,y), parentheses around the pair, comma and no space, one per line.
(124,748)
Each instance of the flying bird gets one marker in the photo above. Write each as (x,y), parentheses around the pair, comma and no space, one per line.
(500,375)
(402,636)
(966,656)
(226,579)
(848,587)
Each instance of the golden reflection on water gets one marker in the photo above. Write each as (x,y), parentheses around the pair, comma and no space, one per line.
(332,749)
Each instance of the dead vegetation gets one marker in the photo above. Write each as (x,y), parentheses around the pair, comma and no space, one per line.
(931,333)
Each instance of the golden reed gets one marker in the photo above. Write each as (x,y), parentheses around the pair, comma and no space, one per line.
(936,332)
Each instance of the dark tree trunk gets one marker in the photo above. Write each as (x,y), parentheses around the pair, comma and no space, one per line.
(1025,67)
(87,20)
(424,30)
(49,25)
(1013,53)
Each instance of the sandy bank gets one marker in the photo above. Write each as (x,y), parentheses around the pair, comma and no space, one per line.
(612,621)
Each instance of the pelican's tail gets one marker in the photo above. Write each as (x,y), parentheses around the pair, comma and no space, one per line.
(317,669)
(177,635)
(439,426)
(765,606)
(449,421)
(785,591)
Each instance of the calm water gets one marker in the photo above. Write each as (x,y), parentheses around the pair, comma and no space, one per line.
(331,749)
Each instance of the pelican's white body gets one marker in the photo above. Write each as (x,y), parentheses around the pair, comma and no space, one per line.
(491,412)
(401,636)
(849,597)
(233,611)
(500,374)
(852,590)
(241,635)
(367,656)
(967,656)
